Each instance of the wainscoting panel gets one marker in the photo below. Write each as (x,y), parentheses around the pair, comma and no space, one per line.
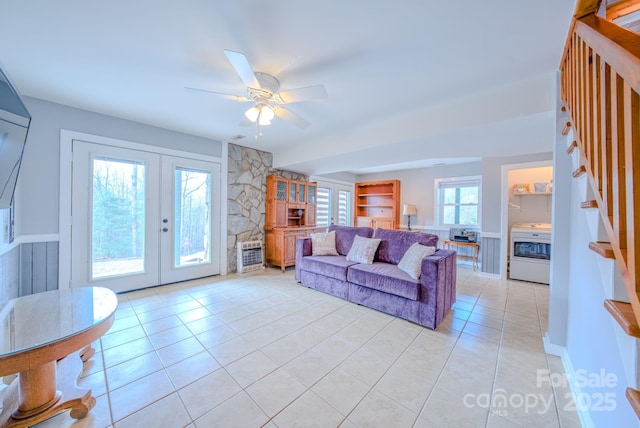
(463,251)
(490,255)
(38,267)
(10,275)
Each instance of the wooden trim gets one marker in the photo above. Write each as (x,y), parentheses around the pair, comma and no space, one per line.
(632,183)
(572,147)
(604,249)
(589,204)
(579,171)
(621,8)
(618,46)
(633,395)
(622,312)
(586,7)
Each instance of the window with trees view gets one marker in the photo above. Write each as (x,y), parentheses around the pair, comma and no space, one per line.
(458,201)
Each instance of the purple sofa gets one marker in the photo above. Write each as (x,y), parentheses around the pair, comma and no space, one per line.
(382,285)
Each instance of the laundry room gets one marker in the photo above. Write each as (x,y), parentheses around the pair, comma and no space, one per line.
(529,223)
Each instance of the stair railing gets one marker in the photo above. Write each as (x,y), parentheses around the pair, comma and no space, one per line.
(600,83)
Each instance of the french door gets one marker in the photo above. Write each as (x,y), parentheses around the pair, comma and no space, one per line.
(333,204)
(141,219)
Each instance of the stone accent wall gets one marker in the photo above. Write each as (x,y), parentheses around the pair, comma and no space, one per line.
(247,186)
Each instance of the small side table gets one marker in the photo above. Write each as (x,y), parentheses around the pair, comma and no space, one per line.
(45,338)
(448,243)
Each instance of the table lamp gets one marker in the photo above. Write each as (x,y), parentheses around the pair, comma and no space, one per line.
(409,210)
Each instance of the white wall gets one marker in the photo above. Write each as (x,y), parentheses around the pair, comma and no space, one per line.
(417,187)
(534,208)
(591,343)
(38,184)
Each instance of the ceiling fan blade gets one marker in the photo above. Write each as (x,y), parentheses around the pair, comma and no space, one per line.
(301,94)
(227,96)
(242,67)
(291,117)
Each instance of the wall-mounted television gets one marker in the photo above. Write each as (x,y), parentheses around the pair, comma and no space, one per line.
(14,124)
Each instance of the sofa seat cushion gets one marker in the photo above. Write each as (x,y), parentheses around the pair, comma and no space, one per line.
(385,277)
(331,266)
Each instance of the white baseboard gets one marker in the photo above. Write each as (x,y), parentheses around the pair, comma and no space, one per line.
(561,351)
(552,349)
(489,275)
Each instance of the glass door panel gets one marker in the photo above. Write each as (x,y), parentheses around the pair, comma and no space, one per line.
(192,229)
(281,190)
(344,207)
(293,191)
(323,207)
(118,217)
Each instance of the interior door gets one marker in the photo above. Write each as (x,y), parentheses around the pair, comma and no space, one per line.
(142,219)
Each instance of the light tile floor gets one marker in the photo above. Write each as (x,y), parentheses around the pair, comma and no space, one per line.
(261,350)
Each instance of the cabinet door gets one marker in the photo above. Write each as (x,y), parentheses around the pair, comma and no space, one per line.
(280,209)
(302,187)
(364,222)
(310,215)
(293,191)
(384,223)
(311,193)
(280,190)
(290,247)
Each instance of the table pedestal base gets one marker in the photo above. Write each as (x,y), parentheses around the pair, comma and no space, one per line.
(35,395)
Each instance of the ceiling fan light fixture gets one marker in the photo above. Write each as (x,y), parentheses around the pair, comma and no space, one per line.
(266,114)
(252,114)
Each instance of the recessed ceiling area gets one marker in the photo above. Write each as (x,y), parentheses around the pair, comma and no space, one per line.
(408,84)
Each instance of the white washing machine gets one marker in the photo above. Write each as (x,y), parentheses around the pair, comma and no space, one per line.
(530,252)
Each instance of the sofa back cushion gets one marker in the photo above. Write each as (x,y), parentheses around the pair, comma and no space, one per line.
(346,234)
(394,243)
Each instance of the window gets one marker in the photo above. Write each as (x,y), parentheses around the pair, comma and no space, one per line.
(458,201)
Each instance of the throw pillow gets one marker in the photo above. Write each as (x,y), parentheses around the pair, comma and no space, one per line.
(411,262)
(323,244)
(363,250)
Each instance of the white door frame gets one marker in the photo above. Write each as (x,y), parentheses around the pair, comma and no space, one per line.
(504,222)
(65,218)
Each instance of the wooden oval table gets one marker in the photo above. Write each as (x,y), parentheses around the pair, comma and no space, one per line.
(44,338)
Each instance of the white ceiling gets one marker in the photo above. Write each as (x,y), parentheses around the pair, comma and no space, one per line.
(410,83)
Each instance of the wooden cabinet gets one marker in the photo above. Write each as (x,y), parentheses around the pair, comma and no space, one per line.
(281,244)
(290,203)
(377,204)
(290,214)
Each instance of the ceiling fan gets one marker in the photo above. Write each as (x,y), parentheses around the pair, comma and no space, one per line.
(264,91)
